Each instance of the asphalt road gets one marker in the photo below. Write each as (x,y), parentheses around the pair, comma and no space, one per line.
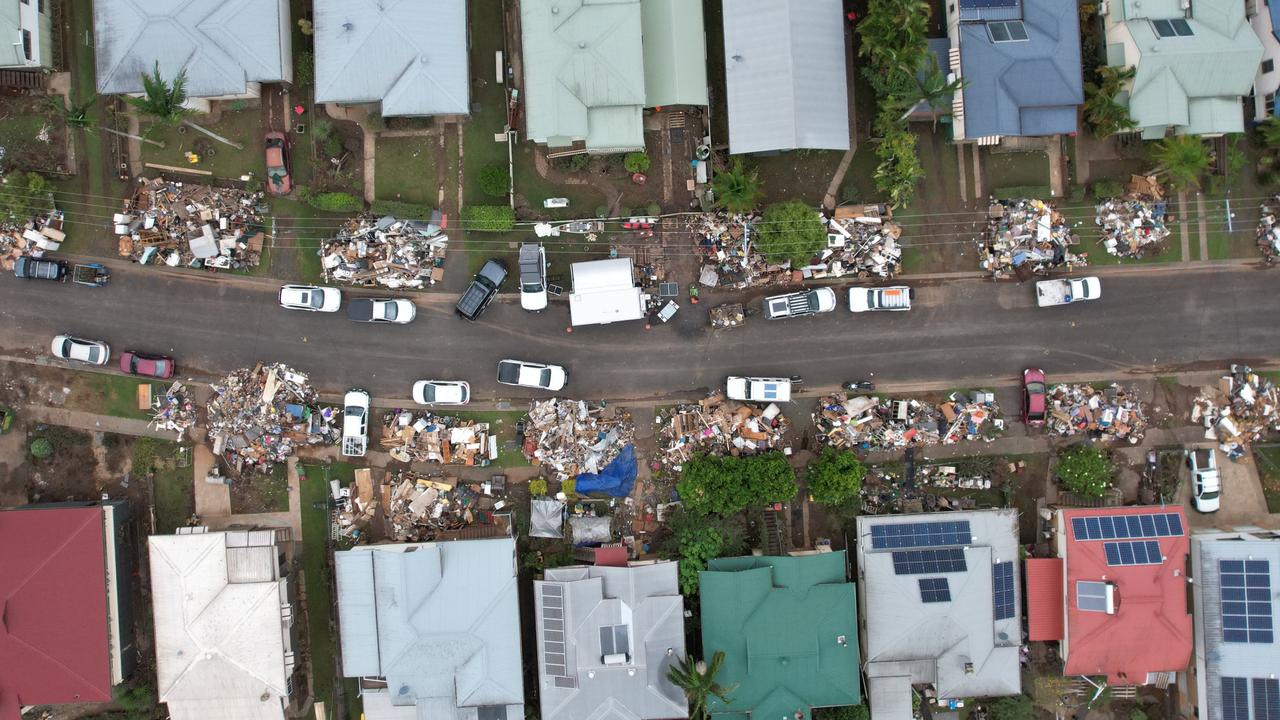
(964,332)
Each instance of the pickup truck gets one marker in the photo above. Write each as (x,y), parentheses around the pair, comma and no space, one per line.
(801,303)
(481,290)
(863,299)
(355,423)
(1066,291)
(37,269)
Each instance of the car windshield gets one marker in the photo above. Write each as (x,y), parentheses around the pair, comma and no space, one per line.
(428,393)
(544,378)
(531,287)
(354,411)
(162,367)
(66,348)
(391,311)
(1212,495)
(1035,388)
(314,299)
(93,353)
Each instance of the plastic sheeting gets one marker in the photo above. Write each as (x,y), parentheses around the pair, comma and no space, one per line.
(546,518)
(590,530)
(616,479)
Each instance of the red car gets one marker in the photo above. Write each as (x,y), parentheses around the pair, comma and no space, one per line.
(277,152)
(156,366)
(639,223)
(1034,400)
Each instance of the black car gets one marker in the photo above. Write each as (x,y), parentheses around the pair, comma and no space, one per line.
(482,289)
(38,269)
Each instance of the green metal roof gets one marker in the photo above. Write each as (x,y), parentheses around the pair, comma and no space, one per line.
(675,52)
(779,622)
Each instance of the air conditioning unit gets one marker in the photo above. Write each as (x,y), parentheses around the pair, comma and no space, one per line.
(614,659)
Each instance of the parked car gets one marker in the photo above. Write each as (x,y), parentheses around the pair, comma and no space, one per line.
(533,277)
(1034,400)
(639,223)
(897,298)
(90,352)
(1065,291)
(381,310)
(441,392)
(534,375)
(355,423)
(156,366)
(555,203)
(801,303)
(310,297)
(1206,484)
(758,389)
(277,152)
(481,290)
(29,268)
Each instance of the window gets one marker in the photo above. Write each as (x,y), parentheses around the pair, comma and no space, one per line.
(26,2)
(1092,596)
(1171,28)
(40,7)
(26,44)
(1008,31)
(1269,103)
(1268,66)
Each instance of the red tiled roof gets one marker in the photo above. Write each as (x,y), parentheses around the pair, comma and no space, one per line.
(1044,599)
(1150,630)
(53,608)
(615,556)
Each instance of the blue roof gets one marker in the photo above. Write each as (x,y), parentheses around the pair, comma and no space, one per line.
(1032,87)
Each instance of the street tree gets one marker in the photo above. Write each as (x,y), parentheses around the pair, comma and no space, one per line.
(737,189)
(1182,159)
(790,231)
(698,681)
(164,101)
(834,476)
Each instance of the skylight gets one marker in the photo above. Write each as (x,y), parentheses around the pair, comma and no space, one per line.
(1007,31)
(1092,596)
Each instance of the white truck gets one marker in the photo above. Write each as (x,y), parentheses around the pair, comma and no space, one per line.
(1067,290)
(758,389)
(355,423)
(800,303)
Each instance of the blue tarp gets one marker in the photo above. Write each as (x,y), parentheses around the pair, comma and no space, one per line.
(617,478)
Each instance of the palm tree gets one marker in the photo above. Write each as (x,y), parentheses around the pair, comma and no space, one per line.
(1269,129)
(1107,116)
(72,114)
(1183,159)
(738,189)
(698,681)
(161,99)
(933,90)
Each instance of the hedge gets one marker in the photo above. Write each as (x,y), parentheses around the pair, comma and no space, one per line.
(488,218)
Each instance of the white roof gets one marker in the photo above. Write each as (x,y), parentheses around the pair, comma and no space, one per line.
(604,292)
(409,54)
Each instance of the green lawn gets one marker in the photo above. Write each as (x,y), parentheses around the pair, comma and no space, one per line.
(405,169)
(241,126)
(300,224)
(488,101)
(1015,170)
(174,496)
(1268,458)
(315,538)
(1238,240)
(115,395)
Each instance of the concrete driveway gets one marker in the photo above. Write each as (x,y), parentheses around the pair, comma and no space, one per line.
(1242,500)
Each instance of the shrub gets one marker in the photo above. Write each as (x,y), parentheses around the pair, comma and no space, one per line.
(336,202)
(1017,707)
(602,211)
(41,448)
(653,209)
(537,487)
(725,485)
(1084,470)
(401,209)
(1107,189)
(790,231)
(579,162)
(304,68)
(835,476)
(24,195)
(636,162)
(569,487)
(843,712)
(333,145)
(488,218)
(494,180)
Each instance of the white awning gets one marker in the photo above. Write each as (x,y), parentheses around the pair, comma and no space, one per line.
(604,292)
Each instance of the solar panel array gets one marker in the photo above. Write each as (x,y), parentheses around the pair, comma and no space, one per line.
(1002,593)
(1246,601)
(922,534)
(553,656)
(1133,552)
(934,590)
(1235,698)
(929,562)
(1266,699)
(1127,527)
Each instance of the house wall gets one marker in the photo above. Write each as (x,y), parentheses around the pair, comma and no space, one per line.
(1264,83)
(27,16)
(957,98)
(119,543)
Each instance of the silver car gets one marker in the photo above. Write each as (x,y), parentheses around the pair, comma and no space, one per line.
(90,352)
(313,298)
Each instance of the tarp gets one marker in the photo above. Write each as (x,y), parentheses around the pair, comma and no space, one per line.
(590,530)
(616,479)
(546,518)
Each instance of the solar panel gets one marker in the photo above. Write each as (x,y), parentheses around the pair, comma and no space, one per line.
(1127,527)
(922,534)
(1133,552)
(553,654)
(931,562)
(1235,698)
(668,289)
(935,590)
(1266,699)
(1246,601)
(1091,596)
(1002,593)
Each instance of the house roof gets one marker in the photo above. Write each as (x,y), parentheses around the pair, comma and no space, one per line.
(675,52)
(1023,88)
(1231,667)
(940,603)
(785,75)
(1045,614)
(53,608)
(391,602)
(584,615)
(219,629)
(409,54)
(221,44)
(1150,628)
(788,627)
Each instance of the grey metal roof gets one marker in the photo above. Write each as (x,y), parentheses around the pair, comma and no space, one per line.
(959,646)
(222,44)
(585,612)
(409,54)
(440,621)
(785,75)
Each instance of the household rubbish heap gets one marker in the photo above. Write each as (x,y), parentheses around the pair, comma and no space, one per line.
(387,251)
(183,224)
(569,437)
(33,238)
(1112,413)
(1250,413)
(438,439)
(873,423)
(1269,231)
(718,426)
(257,417)
(174,410)
(1132,226)
(1024,238)
(416,507)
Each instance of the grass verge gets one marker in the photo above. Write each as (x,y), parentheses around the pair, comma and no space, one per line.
(172,493)
(1268,459)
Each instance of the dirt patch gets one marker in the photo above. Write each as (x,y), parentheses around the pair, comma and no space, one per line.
(261,493)
(339,156)
(68,471)
(32,134)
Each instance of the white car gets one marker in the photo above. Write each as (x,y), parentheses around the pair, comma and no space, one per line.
(758,389)
(310,297)
(863,299)
(533,277)
(441,392)
(534,375)
(90,352)
(381,310)
(355,423)
(555,203)
(1206,484)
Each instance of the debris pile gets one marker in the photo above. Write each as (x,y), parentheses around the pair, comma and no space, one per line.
(259,416)
(1269,232)
(954,484)
(438,439)
(718,426)
(874,423)
(1250,413)
(174,410)
(1132,226)
(728,316)
(31,238)
(387,251)
(184,224)
(416,507)
(1112,413)
(1026,237)
(569,437)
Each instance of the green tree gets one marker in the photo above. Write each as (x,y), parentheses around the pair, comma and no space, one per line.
(304,69)
(894,36)
(697,543)
(932,89)
(41,448)
(494,180)
(1269,131)
(790,231)
(1084,470)
(843,712)
(24,196)
(1018,707)
(336,202)
(737,190)
(899,170)
(834,476)
(1182,159)
(1104,114)
(1233,160)
(698,681)
(725,485)
(72,114)
(636,162)
(163,100)
(488,218)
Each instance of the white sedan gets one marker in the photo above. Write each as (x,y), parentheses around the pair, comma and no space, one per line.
(381,310)
(310,297)
(441,392)
(91,352)
(534,375)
